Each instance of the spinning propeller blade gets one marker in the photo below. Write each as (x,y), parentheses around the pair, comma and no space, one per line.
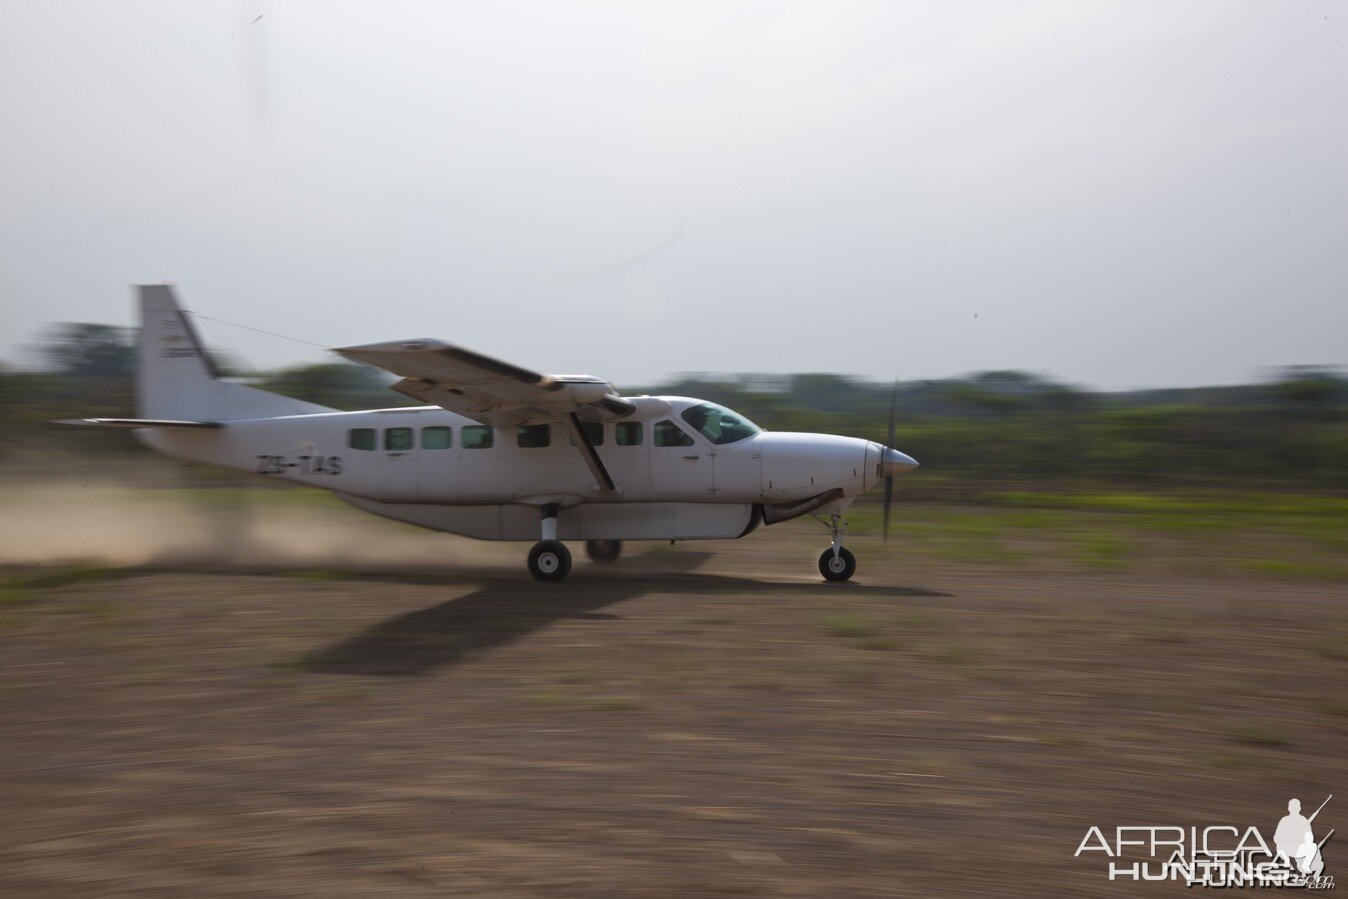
(889,479)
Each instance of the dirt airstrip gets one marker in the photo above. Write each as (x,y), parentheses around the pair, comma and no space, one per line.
(695,720)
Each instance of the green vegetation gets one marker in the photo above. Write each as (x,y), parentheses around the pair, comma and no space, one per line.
(304,662)
(12,594)
(949,654)
(576,676)
(1333,645)
(1213,504)
(315,575)
(18,588)
(989,433)
(1101,549)
(917,619)
(1315,571)
(1257,735)
(1336,707)
(348,693)
(1009,427)
(849,626)
(1233,761)
(1232,532)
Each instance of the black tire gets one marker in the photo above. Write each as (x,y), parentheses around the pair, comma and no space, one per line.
(603,551)
(549,560)
(839,568)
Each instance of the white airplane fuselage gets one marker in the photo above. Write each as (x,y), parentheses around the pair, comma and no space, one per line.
(403,463)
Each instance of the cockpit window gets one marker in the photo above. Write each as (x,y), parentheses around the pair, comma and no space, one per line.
(718,424)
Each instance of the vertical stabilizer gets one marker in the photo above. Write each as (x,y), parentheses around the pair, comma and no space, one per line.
(175,378)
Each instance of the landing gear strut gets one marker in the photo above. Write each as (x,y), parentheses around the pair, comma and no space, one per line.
(549,560)
(603,551)
(837,563)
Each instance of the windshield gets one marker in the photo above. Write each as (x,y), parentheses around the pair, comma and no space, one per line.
(718,424)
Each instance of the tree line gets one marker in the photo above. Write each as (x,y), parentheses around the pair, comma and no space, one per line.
(987,429)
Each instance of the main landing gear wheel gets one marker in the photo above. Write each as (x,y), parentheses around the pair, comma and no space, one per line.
(603,551)
(840,567)
(549,560)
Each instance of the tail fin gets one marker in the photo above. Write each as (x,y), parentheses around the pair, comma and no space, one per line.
(176,380)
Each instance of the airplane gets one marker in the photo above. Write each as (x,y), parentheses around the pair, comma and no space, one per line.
(504,453)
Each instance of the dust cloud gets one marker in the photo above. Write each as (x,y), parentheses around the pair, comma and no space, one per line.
(117,525)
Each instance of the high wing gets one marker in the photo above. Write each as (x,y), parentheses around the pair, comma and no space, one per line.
(502,395)
(488,390)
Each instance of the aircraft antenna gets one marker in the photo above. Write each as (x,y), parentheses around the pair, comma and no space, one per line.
(221,321)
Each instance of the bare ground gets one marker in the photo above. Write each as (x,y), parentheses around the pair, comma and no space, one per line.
(702,720)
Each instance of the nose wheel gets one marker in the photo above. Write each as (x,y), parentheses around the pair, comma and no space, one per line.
(837,562)
(839,567)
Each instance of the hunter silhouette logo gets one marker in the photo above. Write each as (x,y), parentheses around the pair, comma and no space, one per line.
(1295,840)
(1218,855)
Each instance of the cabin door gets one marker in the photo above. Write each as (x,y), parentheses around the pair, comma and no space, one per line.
(681,464)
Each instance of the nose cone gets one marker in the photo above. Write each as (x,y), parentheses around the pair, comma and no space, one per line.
(893,462)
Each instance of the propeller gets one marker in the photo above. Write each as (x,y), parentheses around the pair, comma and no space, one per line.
(889,442)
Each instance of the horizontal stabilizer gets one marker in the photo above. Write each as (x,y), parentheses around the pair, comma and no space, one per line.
(137,423)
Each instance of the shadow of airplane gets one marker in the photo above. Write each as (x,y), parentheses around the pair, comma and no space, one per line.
(505,606)
(505,609)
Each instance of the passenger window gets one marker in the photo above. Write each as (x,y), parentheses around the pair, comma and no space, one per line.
(476,437)
(534,436)
(669,434)
(594,432)
(436,438)
(360,438)
(398,440)
(627,433)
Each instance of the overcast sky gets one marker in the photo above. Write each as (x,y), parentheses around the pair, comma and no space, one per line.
(1116,194)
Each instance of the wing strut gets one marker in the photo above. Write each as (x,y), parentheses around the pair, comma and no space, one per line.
(587,452)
